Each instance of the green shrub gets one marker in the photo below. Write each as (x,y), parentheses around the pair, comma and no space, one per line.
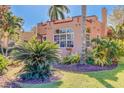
(90,60)
(37,57)
(71,59)
(121,47)
(3,64)
(105,52)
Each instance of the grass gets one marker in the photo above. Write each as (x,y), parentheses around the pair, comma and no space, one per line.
(109,79)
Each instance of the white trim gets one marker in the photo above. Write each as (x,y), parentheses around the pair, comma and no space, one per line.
(66,40)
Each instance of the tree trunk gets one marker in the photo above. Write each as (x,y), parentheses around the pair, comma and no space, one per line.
(83,35)
(5,41)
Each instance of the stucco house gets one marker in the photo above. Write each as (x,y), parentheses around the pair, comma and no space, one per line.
(67,32)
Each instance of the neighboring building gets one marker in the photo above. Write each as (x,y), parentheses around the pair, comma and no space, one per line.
(67,32)
(25,36)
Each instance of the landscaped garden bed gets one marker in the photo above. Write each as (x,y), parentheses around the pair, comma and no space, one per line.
(94,79)
(83,68)
(15,83)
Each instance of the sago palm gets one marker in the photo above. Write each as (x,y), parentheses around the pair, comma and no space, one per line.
(37,57)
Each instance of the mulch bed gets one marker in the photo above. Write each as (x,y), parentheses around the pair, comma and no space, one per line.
(83,67)
(78,68)
(39,81)
(56,76)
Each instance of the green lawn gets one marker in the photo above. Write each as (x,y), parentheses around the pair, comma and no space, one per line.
(109,79)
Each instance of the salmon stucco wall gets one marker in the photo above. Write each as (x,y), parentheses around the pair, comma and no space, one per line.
(96,28)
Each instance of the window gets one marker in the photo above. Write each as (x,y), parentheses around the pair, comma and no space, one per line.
(87,39)
(44,37)
(64,38)
(63,44)
(69,44)
(87,43)
(69,36)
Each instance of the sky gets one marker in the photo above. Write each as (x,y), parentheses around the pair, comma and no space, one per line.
(33,14)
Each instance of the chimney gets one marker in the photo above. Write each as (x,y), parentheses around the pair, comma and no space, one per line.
(104,21)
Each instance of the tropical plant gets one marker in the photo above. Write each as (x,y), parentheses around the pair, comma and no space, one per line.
(118,31)
(3,64)
(105,52)
(57,12)
(117,16)
(90,59)
(118,36)
(37,58)
(10,26)
(71,59)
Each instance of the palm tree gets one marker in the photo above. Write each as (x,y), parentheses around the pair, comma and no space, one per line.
(9,27)
(83,35)
(37,58)
(57,12)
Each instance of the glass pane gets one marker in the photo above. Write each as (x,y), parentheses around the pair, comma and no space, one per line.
(57,42)
(44,38)
(69,36)
(87,43)
(88,37)
(63,37)
(69,31)
(70,44)
(57,31)
(63,44)
(62,31)
(56,37)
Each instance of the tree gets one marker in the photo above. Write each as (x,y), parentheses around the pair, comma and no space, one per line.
(10,25)
(118,31)
(57,12)
(118,36)
(117,16)
(83,36)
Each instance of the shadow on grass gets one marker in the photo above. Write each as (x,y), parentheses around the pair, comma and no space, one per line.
(102,76)
(54,84)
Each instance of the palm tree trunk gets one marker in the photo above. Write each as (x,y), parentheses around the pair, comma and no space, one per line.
(83,35)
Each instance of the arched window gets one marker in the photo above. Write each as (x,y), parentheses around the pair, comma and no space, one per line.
(64,37)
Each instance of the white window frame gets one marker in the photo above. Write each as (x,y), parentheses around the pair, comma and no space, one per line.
(66,40)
